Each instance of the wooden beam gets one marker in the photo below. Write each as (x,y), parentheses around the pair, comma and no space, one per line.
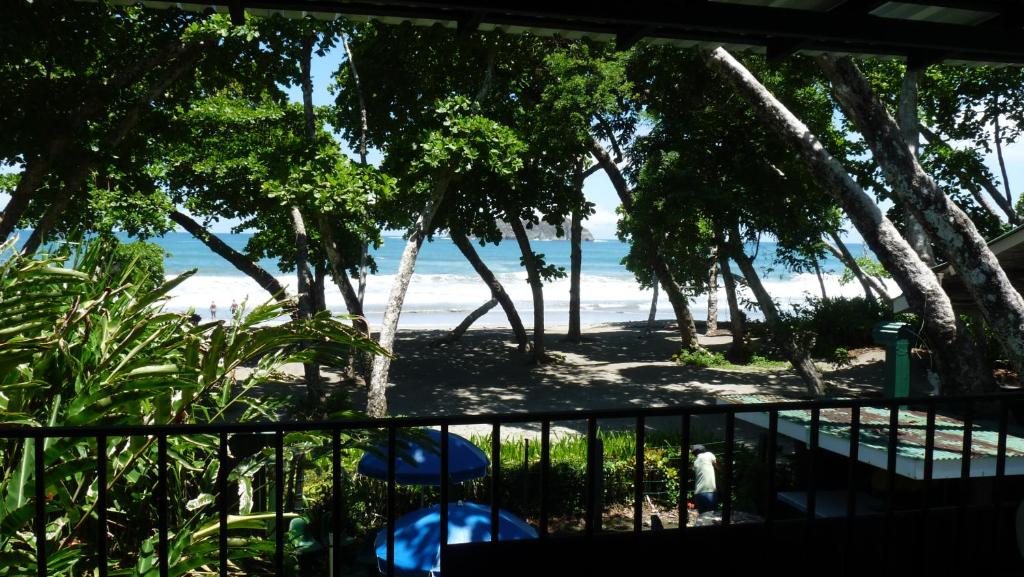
(847,28)
(237,12)
(627,39)
(777,50)
(468,24)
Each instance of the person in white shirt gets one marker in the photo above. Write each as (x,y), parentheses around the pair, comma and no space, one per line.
(705,494)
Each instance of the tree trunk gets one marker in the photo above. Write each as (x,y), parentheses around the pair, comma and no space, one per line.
(305,280)
(953,349)
(575,266)
(536,287)
(869,283)
(999,156)
(363,131)
(38,167)
(821,280)
(799,357)
(654,311)
(319,289)
(986,182)
(712,323)
(376,402)
(352,302)
(497,289)
(237,259)
(359,365)
(908,122)
(738,351)
(680,305)
(74,183)
(952,231)
(467,322)
(36,170)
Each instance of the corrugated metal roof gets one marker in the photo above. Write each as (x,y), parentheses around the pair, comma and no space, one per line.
(834,427)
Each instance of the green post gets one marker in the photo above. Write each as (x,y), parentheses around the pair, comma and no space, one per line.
(896,338)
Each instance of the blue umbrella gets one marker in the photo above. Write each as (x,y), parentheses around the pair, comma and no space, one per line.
(418,535)
(418,460)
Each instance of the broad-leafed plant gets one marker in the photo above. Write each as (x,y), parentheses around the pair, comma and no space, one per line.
(84,342)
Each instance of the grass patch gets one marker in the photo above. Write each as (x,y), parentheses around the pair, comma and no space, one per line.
(705,359)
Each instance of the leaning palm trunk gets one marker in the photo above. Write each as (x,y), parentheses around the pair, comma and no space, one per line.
(467,322)
(239,260)
(955,355)
(797,355)
(376,402)
(952,231)
(737,323)
(680,305)
(497,289)
(869,283)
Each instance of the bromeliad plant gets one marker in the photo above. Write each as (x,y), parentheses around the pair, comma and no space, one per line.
(83,342)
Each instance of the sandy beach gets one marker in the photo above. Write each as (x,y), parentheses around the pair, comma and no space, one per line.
(483,373)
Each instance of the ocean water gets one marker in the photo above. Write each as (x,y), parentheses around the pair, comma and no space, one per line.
(445,288)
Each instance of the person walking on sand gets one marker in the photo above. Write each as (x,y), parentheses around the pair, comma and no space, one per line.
(234,308)
(705,492)
(213,309)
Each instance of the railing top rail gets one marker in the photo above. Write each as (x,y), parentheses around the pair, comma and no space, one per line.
(16,432)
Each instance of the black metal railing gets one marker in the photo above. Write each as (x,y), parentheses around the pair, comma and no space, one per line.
(964,407)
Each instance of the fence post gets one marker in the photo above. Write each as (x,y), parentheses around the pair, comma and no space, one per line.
(597,484)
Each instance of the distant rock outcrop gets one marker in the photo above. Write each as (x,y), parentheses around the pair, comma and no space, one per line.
(543,231)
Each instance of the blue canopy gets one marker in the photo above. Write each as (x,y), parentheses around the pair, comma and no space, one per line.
(418,460)
(418,535)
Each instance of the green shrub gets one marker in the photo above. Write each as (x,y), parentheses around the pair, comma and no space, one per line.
(700,358)
(825,325)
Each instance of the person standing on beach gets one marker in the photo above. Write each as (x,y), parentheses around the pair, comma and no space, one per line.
(705,493)
(213,309)
(234,308)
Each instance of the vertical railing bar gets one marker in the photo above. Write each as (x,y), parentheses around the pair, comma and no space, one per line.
(391,507)
(929,450)
(101,504)
(812,446)
(444,495)
(890,467)
(591,504)
(40,496)
(495,481)
(161,504)
(892,446)
(638,477)
(929,465)
(773,433)
(997,489)
(851,474)
(545,474)
(965,481)
(222,502)
(684,471)
(336,473)
(279,503)
(849,552)
(730,438)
